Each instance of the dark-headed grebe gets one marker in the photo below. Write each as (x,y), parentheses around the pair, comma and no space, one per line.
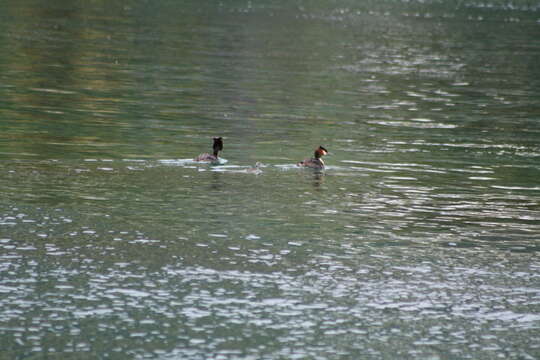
(315,162)
(218,146)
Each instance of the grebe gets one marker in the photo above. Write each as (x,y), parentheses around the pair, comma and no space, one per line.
(315,162)
(255,169)
(218,146)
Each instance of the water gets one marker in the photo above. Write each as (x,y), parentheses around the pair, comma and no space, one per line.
(419,240)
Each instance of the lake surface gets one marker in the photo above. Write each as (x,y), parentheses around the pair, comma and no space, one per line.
(420,240)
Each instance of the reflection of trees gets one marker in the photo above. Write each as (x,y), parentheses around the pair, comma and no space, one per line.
(86,77)
(49,80)
(80,75)
(90,76)
(99,73)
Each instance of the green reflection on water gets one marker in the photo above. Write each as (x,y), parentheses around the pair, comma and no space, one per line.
(412,241)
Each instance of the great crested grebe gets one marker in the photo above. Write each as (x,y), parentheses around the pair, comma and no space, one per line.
(218,146)
(315,162)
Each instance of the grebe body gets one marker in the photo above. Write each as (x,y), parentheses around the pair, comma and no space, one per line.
(217,147)
(316,162)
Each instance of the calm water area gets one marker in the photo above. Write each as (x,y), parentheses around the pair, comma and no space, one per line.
(420,239)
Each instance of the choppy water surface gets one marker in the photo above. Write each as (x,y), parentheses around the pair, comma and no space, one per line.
(419,240)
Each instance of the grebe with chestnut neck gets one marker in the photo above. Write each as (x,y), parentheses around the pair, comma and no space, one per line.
(316,162)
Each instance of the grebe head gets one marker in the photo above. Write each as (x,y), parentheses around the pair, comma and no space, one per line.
(320,151)
(218,145)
